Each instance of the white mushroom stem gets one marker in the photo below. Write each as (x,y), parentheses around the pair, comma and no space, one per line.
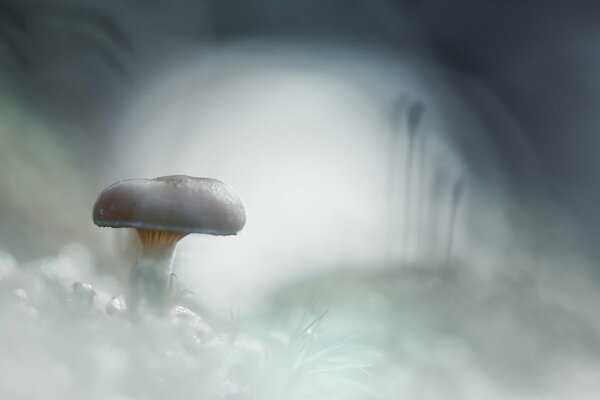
(150,277)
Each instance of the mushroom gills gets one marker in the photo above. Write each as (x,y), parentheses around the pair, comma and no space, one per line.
(154,241)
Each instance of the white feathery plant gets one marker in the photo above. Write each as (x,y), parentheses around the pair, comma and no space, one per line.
(306,364)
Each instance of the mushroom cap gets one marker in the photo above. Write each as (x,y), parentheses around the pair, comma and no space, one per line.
(176,203)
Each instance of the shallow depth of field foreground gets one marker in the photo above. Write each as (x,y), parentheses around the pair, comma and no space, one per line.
(405,207)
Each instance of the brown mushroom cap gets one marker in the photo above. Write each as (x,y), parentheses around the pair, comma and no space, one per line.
(177,203)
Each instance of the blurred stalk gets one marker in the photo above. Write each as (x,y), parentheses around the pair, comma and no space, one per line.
(421,198)
(413,120)
(439,187)
(407,117)
(395,219)
(457,195)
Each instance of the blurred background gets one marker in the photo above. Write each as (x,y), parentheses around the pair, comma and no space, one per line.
(427,171)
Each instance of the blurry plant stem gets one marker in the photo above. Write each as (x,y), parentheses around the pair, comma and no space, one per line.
(439,190)
(420,214)
(391,199)
(414,115)
(393,215)
(407,201)
(406,118)
(457,195)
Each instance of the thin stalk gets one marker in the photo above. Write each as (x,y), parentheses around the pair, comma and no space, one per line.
(421,197)
(438,191)
(392,185)
(413,122)
(457,195)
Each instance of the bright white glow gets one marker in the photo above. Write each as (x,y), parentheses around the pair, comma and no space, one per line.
(304,136)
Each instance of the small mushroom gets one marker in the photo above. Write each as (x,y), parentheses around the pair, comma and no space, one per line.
(163,211)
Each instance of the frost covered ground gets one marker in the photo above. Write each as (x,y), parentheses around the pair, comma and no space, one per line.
(411,334)
(66,334)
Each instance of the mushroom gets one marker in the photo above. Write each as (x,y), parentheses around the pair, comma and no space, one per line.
(163,211)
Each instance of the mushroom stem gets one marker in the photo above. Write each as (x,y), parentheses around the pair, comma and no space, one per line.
(150,277)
